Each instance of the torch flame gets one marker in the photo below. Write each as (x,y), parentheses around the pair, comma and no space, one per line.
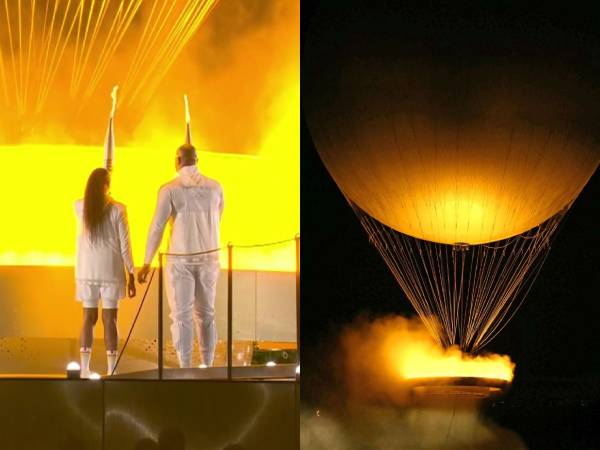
(113,95)
(187,109)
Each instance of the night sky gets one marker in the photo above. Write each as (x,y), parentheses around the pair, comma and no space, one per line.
(555,334)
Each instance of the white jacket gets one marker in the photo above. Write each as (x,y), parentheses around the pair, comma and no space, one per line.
(194,205)
(102,261)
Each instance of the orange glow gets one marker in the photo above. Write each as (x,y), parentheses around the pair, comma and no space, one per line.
(414,354)
(394,350)
(421,360)
(396,151)
(42,182)
(241,73)
(434,198)
(262,194)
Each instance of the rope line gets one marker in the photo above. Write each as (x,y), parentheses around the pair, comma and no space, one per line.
(134,322)
(266,244)
(465,295)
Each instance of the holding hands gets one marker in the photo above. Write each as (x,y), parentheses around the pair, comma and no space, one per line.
(131,285)
(143,273)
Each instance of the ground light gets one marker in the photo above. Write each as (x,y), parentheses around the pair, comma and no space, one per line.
(73,370)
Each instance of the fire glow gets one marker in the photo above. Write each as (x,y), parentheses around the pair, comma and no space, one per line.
(262,192)
(421,360)
(261,195)
(394,350)
(244,121)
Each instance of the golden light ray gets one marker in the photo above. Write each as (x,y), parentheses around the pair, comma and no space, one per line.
(12,57)
(88,50)
(58,54)
(79,16)
(3,75)
(29,49)
(110,44)
(91,33)
(20,47)
(46,44)
(170,47)
(148,30)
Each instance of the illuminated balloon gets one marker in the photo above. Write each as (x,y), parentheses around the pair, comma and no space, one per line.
(446,143)
(460,142)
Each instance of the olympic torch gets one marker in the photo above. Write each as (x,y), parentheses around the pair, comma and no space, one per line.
(109,142)
(188,129)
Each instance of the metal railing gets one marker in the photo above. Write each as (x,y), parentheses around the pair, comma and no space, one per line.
(230,247)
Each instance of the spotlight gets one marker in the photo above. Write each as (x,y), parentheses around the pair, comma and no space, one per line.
(73,371)
(298,370)
(271,364)
(202,366)
(94,376)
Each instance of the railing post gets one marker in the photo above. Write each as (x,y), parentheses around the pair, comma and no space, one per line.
(160,316)
(229,309)
(297,384)
(297,239)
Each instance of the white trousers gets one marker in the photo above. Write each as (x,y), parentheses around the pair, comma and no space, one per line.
(191,293)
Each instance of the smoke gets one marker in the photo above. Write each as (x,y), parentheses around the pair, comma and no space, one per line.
(369,404)
(384,355)
(238,70)
(371,351)
(372,427)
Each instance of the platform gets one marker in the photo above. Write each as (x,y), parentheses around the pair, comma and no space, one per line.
(144,414)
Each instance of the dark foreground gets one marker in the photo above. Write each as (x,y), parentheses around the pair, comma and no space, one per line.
(552,413)
(532,414)
(112,414)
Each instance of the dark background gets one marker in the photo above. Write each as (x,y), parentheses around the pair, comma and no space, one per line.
(554,339)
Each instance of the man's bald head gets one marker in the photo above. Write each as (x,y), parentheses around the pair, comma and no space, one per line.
(186,156)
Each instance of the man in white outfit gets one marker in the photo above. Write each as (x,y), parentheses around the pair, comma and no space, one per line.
(194,205)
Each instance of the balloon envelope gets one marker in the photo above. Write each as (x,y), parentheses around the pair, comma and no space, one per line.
(447,139)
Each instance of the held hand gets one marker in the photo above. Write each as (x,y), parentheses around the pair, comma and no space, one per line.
(143,273)
(131,286)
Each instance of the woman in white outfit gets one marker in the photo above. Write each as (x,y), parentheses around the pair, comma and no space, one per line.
(103,252)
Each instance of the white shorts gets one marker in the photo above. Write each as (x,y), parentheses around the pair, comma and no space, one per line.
(90,294)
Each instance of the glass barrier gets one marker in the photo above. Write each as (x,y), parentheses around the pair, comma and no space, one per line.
(40,323)
(264,315)
(255,311)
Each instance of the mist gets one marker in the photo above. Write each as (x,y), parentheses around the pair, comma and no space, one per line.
(371,405)
(239,68)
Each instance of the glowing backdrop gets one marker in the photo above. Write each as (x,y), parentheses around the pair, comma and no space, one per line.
(238,61)
(41,182)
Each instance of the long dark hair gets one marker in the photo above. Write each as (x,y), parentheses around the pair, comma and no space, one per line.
(95,202)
